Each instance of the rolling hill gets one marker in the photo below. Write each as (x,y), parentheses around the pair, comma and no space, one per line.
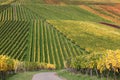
(39,32)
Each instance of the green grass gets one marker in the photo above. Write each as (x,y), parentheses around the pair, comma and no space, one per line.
(89,35)
(72,76)
(3,1)
(56,12)
(24,75)
(61,73)
(30,1)
(64,74)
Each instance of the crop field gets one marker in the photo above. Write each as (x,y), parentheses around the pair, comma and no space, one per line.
(64,13)
(25,35)
(78,35)
(89,35)
(3,7)
(13,36)
(38,32)
(17,12)
(49,45)
(109,12)
(81,2)
(2,1)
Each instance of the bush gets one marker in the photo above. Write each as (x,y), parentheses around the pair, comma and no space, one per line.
(101,62)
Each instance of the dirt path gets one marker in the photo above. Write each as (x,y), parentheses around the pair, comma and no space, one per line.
(46,76)
(108,24)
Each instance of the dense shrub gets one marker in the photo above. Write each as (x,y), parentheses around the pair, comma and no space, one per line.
(8,65)
(102,63)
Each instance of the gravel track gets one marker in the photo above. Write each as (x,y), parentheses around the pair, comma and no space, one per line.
(46,76)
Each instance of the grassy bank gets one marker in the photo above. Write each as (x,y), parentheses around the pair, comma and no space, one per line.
(64,74)
(72,76)
(89,35)
(55,12)
(24,75)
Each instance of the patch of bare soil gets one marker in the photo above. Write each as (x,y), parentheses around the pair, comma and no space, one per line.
(117,6)
(112,8)
(99,14)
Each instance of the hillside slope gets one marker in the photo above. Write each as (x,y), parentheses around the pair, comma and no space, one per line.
(27,36)
(25,33)
(90,35)
(77,2)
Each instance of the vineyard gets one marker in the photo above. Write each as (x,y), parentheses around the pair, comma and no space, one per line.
(105,64)
(48,45)
(89,35)
(109,12)
(54,34)
(14,37)
(27,36)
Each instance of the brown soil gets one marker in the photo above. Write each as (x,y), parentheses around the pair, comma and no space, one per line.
(103,8)
(99,14)
(118,6)
(112,25)
(112,8)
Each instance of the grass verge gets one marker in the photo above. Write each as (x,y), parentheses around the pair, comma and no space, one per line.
(25,75)
(72,76)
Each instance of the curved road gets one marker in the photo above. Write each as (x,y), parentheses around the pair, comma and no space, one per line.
(46,76)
